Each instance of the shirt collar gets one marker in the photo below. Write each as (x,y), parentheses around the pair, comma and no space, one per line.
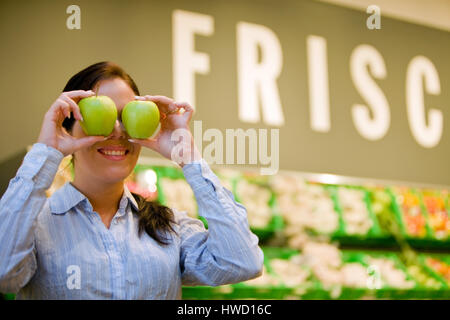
(127,194)
(68,197)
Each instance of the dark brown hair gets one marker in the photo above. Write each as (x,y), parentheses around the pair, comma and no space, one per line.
(154,218)
(87,78)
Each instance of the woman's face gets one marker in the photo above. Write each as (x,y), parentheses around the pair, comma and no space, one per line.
(112,160)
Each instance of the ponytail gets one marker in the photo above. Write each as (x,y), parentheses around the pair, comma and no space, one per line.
(155,219)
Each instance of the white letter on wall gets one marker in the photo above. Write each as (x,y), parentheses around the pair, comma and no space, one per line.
(319,100)
(187,62)
(257,79)
(375,127)
(427,136)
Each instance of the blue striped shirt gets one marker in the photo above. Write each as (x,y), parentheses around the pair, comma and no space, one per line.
(58,247)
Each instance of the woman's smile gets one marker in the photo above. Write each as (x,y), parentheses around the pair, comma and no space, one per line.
(114,152)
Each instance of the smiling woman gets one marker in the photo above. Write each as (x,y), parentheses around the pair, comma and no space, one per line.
(95,226)
(111,160)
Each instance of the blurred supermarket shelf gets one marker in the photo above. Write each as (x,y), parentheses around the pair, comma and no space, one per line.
(325,178)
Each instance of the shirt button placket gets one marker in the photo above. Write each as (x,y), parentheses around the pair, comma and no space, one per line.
(117,267)
(117,272)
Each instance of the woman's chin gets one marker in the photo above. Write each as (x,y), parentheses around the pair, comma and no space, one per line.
(114,175)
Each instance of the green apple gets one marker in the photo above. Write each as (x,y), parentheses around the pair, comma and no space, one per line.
(140,118)
(99,115)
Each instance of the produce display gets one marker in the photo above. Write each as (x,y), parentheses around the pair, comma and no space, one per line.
(315,214)
(306,263)
(322,241)
(323,271)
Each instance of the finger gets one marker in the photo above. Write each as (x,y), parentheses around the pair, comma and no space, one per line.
(73,106)
(188,114)
(86,141)
(183,107)
(79,94)
(165,104)
(60,107)
(185,110)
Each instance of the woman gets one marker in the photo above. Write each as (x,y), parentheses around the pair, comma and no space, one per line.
(93,239)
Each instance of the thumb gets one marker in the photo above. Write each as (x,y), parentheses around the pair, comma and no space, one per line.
(86,141)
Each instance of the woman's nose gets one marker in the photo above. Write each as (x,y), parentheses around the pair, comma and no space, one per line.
(119,131)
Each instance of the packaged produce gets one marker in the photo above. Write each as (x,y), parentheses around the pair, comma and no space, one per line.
(423,278)
(327,265)
(355,275)
(256,200)
(290,271)
(325,254)
(440,267)
(383,208)
(355,213)
(411,215)
(391,275)
(305,206)
(438,217)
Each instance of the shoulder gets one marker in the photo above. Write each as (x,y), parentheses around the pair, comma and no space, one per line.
(45,213)
(45,226)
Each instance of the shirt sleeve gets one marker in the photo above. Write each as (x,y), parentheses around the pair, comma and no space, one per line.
(228,251)
(19,207)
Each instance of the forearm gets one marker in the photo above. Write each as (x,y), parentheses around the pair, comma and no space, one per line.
(230,245)
(19,208)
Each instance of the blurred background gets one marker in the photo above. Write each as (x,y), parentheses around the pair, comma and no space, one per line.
(357,91)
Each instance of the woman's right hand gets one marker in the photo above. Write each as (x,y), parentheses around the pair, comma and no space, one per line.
(52,132)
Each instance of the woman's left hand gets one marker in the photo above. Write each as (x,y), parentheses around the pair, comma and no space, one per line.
(173,116)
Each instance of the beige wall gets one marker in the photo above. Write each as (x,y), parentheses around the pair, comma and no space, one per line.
(432,13)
